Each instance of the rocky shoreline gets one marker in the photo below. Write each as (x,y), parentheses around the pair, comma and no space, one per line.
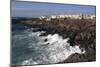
(81,32)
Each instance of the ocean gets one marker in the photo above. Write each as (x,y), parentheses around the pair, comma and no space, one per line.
(29,48)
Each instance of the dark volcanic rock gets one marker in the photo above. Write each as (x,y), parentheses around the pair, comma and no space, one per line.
(46,40)
(80,31)
(76,58)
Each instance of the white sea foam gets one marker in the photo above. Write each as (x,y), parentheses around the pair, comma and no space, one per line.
(54,50)
(29,62)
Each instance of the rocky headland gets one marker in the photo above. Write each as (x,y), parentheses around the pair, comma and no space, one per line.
(81,32)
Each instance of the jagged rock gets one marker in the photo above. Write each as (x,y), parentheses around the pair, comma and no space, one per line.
(81,32)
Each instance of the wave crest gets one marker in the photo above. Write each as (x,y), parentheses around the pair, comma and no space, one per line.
(50,49)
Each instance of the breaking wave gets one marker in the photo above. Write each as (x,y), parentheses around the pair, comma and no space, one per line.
(47,49)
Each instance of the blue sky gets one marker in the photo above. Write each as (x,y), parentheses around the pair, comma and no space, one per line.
(35,9)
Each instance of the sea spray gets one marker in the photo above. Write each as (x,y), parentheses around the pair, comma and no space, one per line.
(54,50)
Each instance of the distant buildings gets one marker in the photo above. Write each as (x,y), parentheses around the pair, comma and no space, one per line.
(76,16)
(89,16)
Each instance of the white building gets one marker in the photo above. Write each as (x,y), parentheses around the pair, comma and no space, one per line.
(74,16)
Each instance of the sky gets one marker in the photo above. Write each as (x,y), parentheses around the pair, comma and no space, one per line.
(36,9)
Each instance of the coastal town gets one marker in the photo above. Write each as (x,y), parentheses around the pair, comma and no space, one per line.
(69,16)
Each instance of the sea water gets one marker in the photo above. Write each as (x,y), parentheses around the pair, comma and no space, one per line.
(29,48)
